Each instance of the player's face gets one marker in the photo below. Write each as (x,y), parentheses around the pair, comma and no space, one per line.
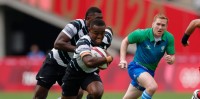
(159,26)
(97,34)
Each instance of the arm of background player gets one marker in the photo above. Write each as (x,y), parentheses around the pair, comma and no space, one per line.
(62,42)
(191,27)
(123,50)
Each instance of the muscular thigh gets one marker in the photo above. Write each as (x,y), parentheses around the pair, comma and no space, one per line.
(91,77)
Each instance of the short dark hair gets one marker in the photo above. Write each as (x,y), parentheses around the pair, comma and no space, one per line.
(98,22)
(92,10)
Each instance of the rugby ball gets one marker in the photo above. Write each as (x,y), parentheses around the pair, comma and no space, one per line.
(99,52)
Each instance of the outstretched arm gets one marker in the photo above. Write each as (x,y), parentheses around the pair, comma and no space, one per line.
(190,29)
(123,50)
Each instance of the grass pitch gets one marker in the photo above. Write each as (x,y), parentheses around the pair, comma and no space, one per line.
(107,95)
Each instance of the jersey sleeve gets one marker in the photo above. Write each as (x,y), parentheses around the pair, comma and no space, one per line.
(170,47)
(107,38)
(73,27)
(135,36)
(83,45)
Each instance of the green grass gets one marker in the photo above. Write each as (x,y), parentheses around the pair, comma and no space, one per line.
(107,95)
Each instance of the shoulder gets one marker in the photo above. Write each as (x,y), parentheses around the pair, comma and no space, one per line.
(140,32)
(169,36)
(84,40)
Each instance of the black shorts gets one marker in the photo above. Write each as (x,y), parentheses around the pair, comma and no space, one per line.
(73,80)
(50,72)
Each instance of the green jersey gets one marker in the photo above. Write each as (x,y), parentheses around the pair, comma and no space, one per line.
(149,52)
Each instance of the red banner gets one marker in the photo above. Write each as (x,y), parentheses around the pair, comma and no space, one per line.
(18,73)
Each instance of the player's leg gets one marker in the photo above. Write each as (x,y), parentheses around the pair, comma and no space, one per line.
(45,78)
(93,85)
(95,90)
(147,81)
(40,92)
(80,94)
(71,83)
(132,93)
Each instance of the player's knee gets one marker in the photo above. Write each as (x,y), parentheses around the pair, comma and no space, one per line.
(96,94)
(152,88)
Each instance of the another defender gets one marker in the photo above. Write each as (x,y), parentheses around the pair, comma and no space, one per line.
(152,44)
(188,32)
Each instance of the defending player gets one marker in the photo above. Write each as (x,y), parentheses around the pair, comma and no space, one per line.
(152,44)
(190,29)
(54,66)
(188,32)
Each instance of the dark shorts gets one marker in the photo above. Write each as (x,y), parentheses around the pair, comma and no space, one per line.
(74,79)
(50,72)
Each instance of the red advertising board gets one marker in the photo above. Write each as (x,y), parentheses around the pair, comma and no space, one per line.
(18,74)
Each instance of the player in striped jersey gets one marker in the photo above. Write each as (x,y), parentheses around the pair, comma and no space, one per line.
(81,71)
(53,68)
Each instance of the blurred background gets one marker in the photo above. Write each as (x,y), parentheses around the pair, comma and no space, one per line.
(28,26)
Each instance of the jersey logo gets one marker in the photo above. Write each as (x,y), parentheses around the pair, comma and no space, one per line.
(162,48)
(148,47)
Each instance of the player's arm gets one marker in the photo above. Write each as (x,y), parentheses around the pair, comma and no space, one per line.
(190,29)
(133,37)
(123,50)
(93,62)
(84,50)
(170,57)
(62,42)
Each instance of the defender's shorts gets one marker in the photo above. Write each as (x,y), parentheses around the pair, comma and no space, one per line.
(50,72)
(134,71)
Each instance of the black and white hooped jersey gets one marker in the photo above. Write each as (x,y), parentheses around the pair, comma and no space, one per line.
(83,45)
(75,30)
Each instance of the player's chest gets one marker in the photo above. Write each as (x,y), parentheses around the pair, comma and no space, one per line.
(154,47)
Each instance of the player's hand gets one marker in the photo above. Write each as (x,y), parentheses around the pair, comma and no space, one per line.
(169,59)
(106,52)
(123,64)
(187,44)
